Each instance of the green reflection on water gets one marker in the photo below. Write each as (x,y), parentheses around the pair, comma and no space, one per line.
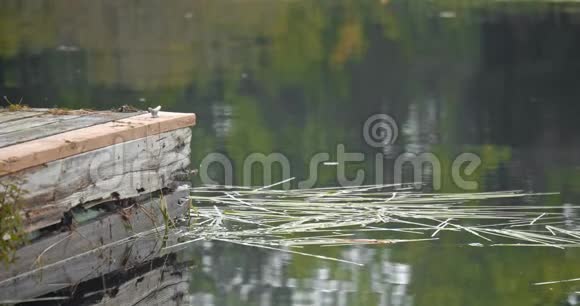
(301,77)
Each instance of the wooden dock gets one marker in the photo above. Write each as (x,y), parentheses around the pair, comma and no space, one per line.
(121,167)
(62,161)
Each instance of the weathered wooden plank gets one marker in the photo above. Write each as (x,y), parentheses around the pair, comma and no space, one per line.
(89,251)
(31,122)
(11,116)
(59,127)
(121,171)
(37,152)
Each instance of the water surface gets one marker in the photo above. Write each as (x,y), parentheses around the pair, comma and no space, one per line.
(497,79)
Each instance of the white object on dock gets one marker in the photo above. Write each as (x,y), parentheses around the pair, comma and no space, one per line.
(155,111)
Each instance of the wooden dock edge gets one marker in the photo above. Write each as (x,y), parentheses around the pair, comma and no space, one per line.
(40,151)
(114,173)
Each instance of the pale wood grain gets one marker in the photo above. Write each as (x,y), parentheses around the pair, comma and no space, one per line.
(11,116)
(59,127)
(37,152)
(31,122)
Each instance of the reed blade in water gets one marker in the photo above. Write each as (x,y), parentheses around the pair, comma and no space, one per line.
(339,216)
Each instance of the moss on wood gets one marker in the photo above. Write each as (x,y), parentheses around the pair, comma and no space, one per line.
(12,233)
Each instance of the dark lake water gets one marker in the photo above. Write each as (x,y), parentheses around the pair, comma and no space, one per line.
(497,79)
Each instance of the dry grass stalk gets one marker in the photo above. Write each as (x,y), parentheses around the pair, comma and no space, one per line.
(339,216)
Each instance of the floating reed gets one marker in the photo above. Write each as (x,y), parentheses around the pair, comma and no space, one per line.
(287,220)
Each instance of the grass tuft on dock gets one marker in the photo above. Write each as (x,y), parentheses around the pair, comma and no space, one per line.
(15,107)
